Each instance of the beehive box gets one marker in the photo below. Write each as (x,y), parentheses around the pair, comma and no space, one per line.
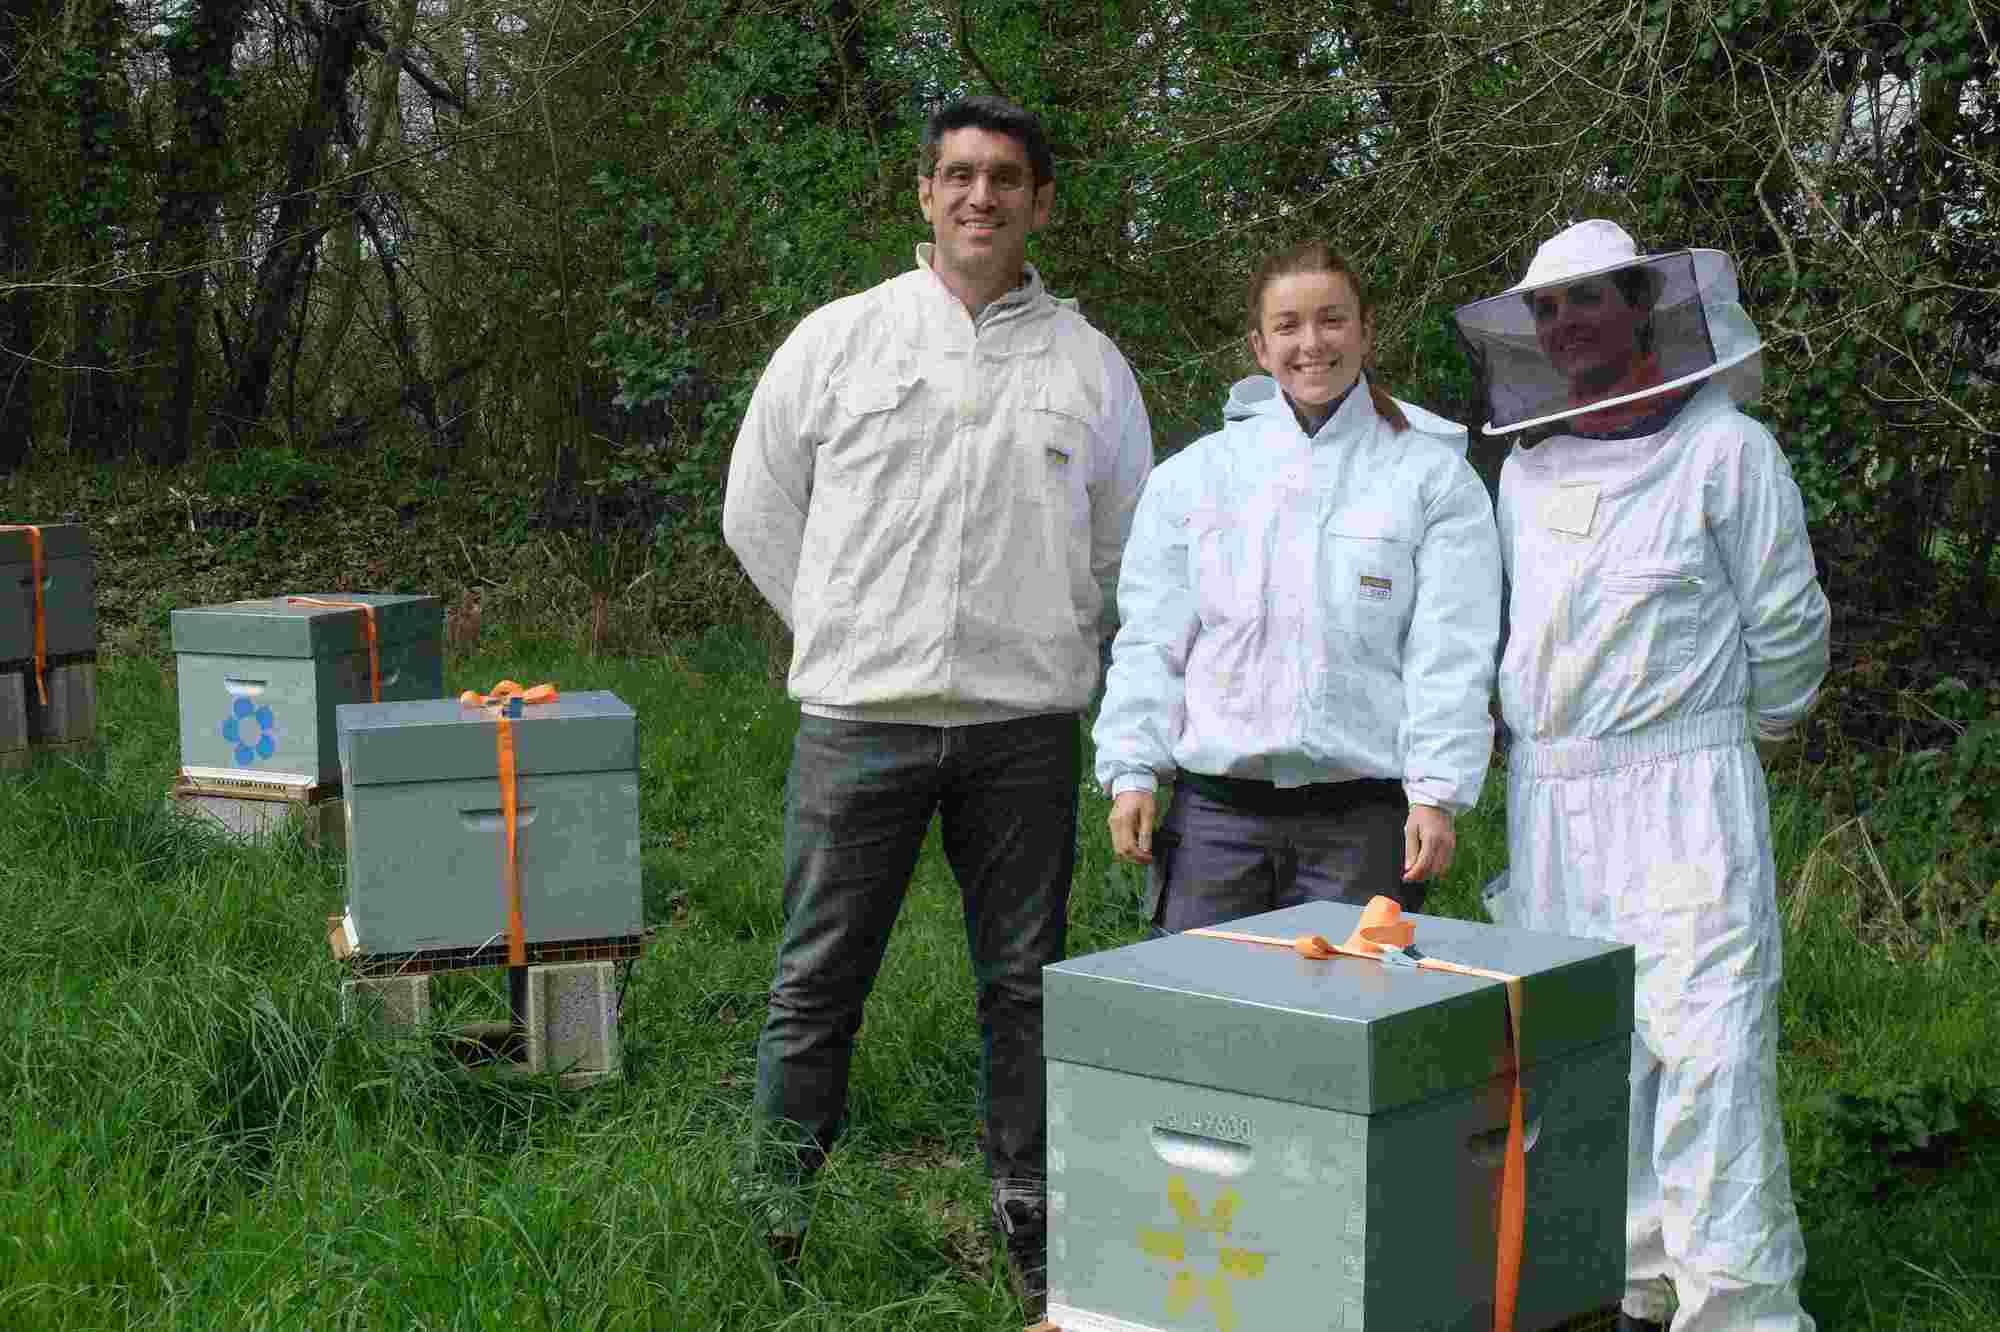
(69,595)
(426,836)
(259,680)
(1242,1139)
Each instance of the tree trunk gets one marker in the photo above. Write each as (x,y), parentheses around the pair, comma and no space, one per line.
(94,393)
(18,377)
(294,233)
(199,58)
(344,266)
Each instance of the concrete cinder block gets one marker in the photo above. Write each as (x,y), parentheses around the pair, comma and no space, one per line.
(324,820)
(70,715)
(572,1021)
(389,1002)
(13,720)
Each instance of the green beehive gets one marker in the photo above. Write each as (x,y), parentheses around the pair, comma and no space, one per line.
(69,595)
(259,680)
(1243,1138)
(426,833)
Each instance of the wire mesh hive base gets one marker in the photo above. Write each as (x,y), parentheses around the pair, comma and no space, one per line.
(427,961)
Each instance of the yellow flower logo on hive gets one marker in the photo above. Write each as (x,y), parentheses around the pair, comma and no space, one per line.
(1187,1288)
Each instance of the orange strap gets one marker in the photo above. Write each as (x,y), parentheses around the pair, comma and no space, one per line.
(510,865)
(35,571)
(510,800)
(1379,936)
(1510,1223)
(374,647)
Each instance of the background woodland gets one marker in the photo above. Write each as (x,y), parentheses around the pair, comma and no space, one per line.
(546,247)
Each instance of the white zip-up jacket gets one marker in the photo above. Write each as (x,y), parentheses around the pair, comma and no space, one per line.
(1658,578)
(1308,609)
(936,505)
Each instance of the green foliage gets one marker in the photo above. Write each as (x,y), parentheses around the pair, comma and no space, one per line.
(1898,1135)
(1938,809)
(277,475)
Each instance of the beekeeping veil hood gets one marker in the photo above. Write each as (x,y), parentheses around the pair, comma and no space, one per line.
(1697,328)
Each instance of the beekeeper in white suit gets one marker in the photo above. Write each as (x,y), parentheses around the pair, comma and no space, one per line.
(1665,617)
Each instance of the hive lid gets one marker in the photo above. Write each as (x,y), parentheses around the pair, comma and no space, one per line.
(59,541)
(278,627)
(438,740)
(1344,1034)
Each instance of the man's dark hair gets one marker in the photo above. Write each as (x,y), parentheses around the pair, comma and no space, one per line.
(996,115)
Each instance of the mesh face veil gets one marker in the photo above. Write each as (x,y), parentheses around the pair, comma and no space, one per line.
(1595,325)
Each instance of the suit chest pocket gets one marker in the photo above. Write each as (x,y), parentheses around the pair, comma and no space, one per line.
(1656,610)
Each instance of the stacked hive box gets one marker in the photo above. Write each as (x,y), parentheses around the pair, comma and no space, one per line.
(259,682)
(426,856)
(58,710)
(1243,1137)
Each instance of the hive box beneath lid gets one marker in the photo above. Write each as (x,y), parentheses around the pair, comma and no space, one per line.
(69,594)
(426,836)
(1241,1137)
(260,679)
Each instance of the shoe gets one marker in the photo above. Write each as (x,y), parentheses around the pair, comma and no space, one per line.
(1023,1224)
(785,1249)
(1627,1323)
(778,1211)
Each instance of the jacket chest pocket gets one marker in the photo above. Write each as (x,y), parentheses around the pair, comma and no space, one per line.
(1654,613)
(877,434)
(1057,446)
(1368,583)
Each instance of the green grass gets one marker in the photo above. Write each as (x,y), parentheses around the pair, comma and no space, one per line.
(196,1141)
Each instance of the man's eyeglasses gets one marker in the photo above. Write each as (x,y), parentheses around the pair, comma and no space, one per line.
(1004,179)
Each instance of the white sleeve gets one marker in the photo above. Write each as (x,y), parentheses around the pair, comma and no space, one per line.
(770,475)
(1145,693)
(1759,523)
(1114,493)
(1448,653)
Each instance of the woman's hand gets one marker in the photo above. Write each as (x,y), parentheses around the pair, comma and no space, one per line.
(1132,826)
(1428,841)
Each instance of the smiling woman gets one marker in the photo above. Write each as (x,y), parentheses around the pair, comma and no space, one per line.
(1308,612)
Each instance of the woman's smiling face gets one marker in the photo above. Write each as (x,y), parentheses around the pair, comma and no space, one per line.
(1311,336)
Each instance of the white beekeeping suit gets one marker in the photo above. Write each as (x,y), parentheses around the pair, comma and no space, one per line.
(1664,612)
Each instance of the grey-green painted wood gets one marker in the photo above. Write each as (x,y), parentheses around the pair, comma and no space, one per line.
(1339,1221)
(69,593)
(439,740)
(1333,1130)
(425,834)
(278,627)
(1209,1012)
(259,670)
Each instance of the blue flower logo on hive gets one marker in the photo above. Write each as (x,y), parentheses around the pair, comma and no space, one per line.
(253,730)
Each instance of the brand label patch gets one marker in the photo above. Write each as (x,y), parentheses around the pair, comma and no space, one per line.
(1376,589)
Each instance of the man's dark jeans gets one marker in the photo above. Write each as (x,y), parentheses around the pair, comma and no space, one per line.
(857,806)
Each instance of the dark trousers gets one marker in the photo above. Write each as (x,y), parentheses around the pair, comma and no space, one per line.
(858,803)
(1214,862)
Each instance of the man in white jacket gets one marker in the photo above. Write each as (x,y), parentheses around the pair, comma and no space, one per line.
(932,487)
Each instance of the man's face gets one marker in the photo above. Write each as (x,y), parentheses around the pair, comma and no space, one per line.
(1589,332)
(982,204)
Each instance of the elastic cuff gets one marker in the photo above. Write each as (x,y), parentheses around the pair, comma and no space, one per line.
(1435,794)
(1134,781)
